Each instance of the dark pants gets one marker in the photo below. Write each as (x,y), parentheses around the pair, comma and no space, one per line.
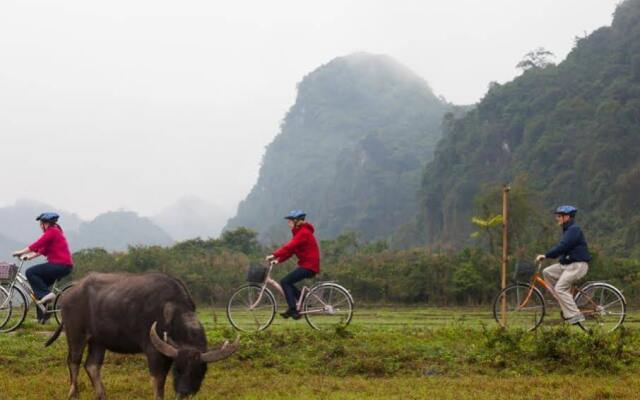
(43,276)
(291,292)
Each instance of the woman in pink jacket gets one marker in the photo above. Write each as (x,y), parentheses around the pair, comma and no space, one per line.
(53,245)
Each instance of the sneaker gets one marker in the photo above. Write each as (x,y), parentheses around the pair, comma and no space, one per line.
(291,314)
(39,313)
(575,320)
(46,315)
(287,314)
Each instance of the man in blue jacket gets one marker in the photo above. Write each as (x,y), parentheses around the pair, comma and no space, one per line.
(573,255)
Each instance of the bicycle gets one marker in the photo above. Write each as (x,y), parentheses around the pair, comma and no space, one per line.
(602,304)
(252,307)
(16,297)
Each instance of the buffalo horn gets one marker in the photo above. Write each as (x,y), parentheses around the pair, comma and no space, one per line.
(160,345)
(223,352)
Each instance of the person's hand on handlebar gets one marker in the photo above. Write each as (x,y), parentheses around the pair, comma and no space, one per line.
(271,258)
(20,254)
(540,257)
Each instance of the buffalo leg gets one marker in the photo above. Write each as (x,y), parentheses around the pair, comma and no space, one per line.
(159,366)
(76,348)
(93,364)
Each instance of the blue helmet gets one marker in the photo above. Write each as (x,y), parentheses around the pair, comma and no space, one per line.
(566,210)
(296,214)
(48,217)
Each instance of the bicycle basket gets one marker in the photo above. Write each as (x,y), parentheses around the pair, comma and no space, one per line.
(523,270)
(256,273)
(7,272)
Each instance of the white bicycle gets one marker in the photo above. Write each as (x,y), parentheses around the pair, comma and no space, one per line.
(252,307)
(16,296)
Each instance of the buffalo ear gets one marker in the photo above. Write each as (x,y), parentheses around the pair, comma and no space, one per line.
(223,352)
(160,345)
(168,312)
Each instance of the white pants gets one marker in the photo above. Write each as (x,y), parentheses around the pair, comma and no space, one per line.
(561,277)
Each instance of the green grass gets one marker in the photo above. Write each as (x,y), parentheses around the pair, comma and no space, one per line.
(387,352)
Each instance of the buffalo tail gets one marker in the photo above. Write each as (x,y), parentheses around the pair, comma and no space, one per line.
(53,337)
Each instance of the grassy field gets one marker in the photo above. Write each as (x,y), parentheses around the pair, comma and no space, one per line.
(401,353)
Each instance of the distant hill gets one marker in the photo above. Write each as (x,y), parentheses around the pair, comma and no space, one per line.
(112,230)
(350,151)
(118,229)
(18,221)
(8,246)
(191,217)
(572,128)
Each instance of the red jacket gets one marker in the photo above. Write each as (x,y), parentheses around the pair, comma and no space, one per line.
(53,245)
(304,246)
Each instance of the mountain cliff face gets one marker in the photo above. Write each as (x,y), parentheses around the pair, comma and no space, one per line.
(572,128)
(350,151)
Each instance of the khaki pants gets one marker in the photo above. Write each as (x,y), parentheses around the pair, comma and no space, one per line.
(561,277)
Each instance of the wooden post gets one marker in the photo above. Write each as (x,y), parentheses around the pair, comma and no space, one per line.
(505,251)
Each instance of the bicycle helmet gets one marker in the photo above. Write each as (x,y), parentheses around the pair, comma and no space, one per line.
(296,215)
(566,210)
(48,217)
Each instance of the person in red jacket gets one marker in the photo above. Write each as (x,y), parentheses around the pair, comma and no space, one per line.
(305,247)
(53,245)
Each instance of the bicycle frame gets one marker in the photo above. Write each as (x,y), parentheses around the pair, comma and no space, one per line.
(537,279)
(25,287)
(303,294)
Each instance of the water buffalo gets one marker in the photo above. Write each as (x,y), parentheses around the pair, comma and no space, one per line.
(150,313)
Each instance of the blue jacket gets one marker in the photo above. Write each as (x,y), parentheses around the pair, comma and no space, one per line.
(572,247)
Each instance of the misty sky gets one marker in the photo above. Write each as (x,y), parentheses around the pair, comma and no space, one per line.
(134,104)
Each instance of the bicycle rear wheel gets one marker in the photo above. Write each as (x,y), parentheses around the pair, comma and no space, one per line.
(5,307)
(245,318)
(328,306)
(602,305)
(524,307)
(57,303)
(19,307)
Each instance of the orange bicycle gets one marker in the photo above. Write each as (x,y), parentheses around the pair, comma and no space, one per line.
(522,305)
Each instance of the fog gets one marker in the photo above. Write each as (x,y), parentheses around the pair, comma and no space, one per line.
(135,104)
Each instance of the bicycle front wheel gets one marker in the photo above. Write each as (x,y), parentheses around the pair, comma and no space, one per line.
(57,302)
(5,307)
(250,311)
(19,306)
(523,307)
(603,307)
(328,306)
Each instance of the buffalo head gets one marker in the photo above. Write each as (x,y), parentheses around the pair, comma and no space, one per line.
(190,364)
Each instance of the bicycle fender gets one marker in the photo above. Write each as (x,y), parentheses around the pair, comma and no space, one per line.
(608,285)
(333,284)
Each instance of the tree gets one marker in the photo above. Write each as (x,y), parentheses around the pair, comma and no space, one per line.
(241,239)
(488,226)
(538,58)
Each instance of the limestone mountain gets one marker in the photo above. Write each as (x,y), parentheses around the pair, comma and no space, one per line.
(573,129)
(116,230)
(350,151)
(111,231)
